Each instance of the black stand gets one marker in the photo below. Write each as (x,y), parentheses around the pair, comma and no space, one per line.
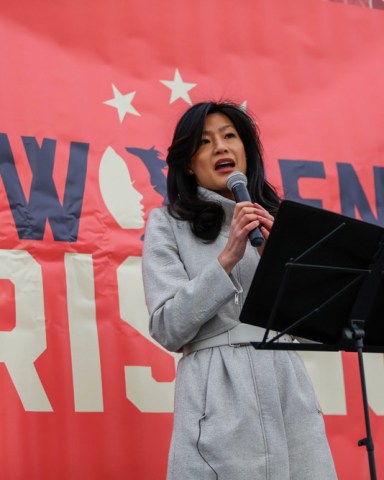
(321,277)
(356,333)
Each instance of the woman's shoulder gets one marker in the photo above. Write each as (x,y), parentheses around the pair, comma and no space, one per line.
(163,231)
(159,216)
(160,219)
(158,213)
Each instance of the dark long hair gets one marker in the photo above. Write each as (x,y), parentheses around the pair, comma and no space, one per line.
(206,217)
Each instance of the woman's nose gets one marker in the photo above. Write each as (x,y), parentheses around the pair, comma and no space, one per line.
(220,146)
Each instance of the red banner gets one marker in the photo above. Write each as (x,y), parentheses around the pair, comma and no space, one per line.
(89,95)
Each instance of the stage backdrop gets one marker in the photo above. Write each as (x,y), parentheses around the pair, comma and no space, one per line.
(89,93)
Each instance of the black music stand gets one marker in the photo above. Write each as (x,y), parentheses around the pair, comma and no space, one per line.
(321,277)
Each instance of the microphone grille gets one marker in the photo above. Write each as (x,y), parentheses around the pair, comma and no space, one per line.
(235,178)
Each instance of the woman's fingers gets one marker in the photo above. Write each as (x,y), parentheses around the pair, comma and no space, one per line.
(265,218)
(249,216)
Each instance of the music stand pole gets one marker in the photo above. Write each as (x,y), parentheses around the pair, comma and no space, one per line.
(356,334)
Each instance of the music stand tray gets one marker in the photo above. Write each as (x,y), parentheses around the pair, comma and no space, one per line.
(309,281)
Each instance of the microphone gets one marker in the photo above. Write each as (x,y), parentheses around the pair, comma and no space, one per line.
(237,182)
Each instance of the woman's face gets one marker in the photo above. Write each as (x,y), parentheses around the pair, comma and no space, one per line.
(221,152)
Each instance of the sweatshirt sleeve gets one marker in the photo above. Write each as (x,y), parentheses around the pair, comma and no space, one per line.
(178,306)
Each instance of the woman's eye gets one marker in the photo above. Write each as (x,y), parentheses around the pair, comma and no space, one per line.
(229,135)
(204,141)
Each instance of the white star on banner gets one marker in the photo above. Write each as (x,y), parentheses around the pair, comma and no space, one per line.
(123,103)
(179,88)
(243,106)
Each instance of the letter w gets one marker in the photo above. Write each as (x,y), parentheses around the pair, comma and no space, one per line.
(30,217)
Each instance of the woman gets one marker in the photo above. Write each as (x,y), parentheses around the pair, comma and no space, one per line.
(240,413)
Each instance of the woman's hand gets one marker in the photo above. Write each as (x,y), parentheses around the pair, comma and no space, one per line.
(246,217)
(266,223)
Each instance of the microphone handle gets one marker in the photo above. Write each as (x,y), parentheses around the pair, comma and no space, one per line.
(241,194)
(256,237)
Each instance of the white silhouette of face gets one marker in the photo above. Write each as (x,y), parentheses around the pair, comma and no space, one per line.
(121,198)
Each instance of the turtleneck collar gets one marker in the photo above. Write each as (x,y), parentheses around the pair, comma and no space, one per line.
(227,204)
